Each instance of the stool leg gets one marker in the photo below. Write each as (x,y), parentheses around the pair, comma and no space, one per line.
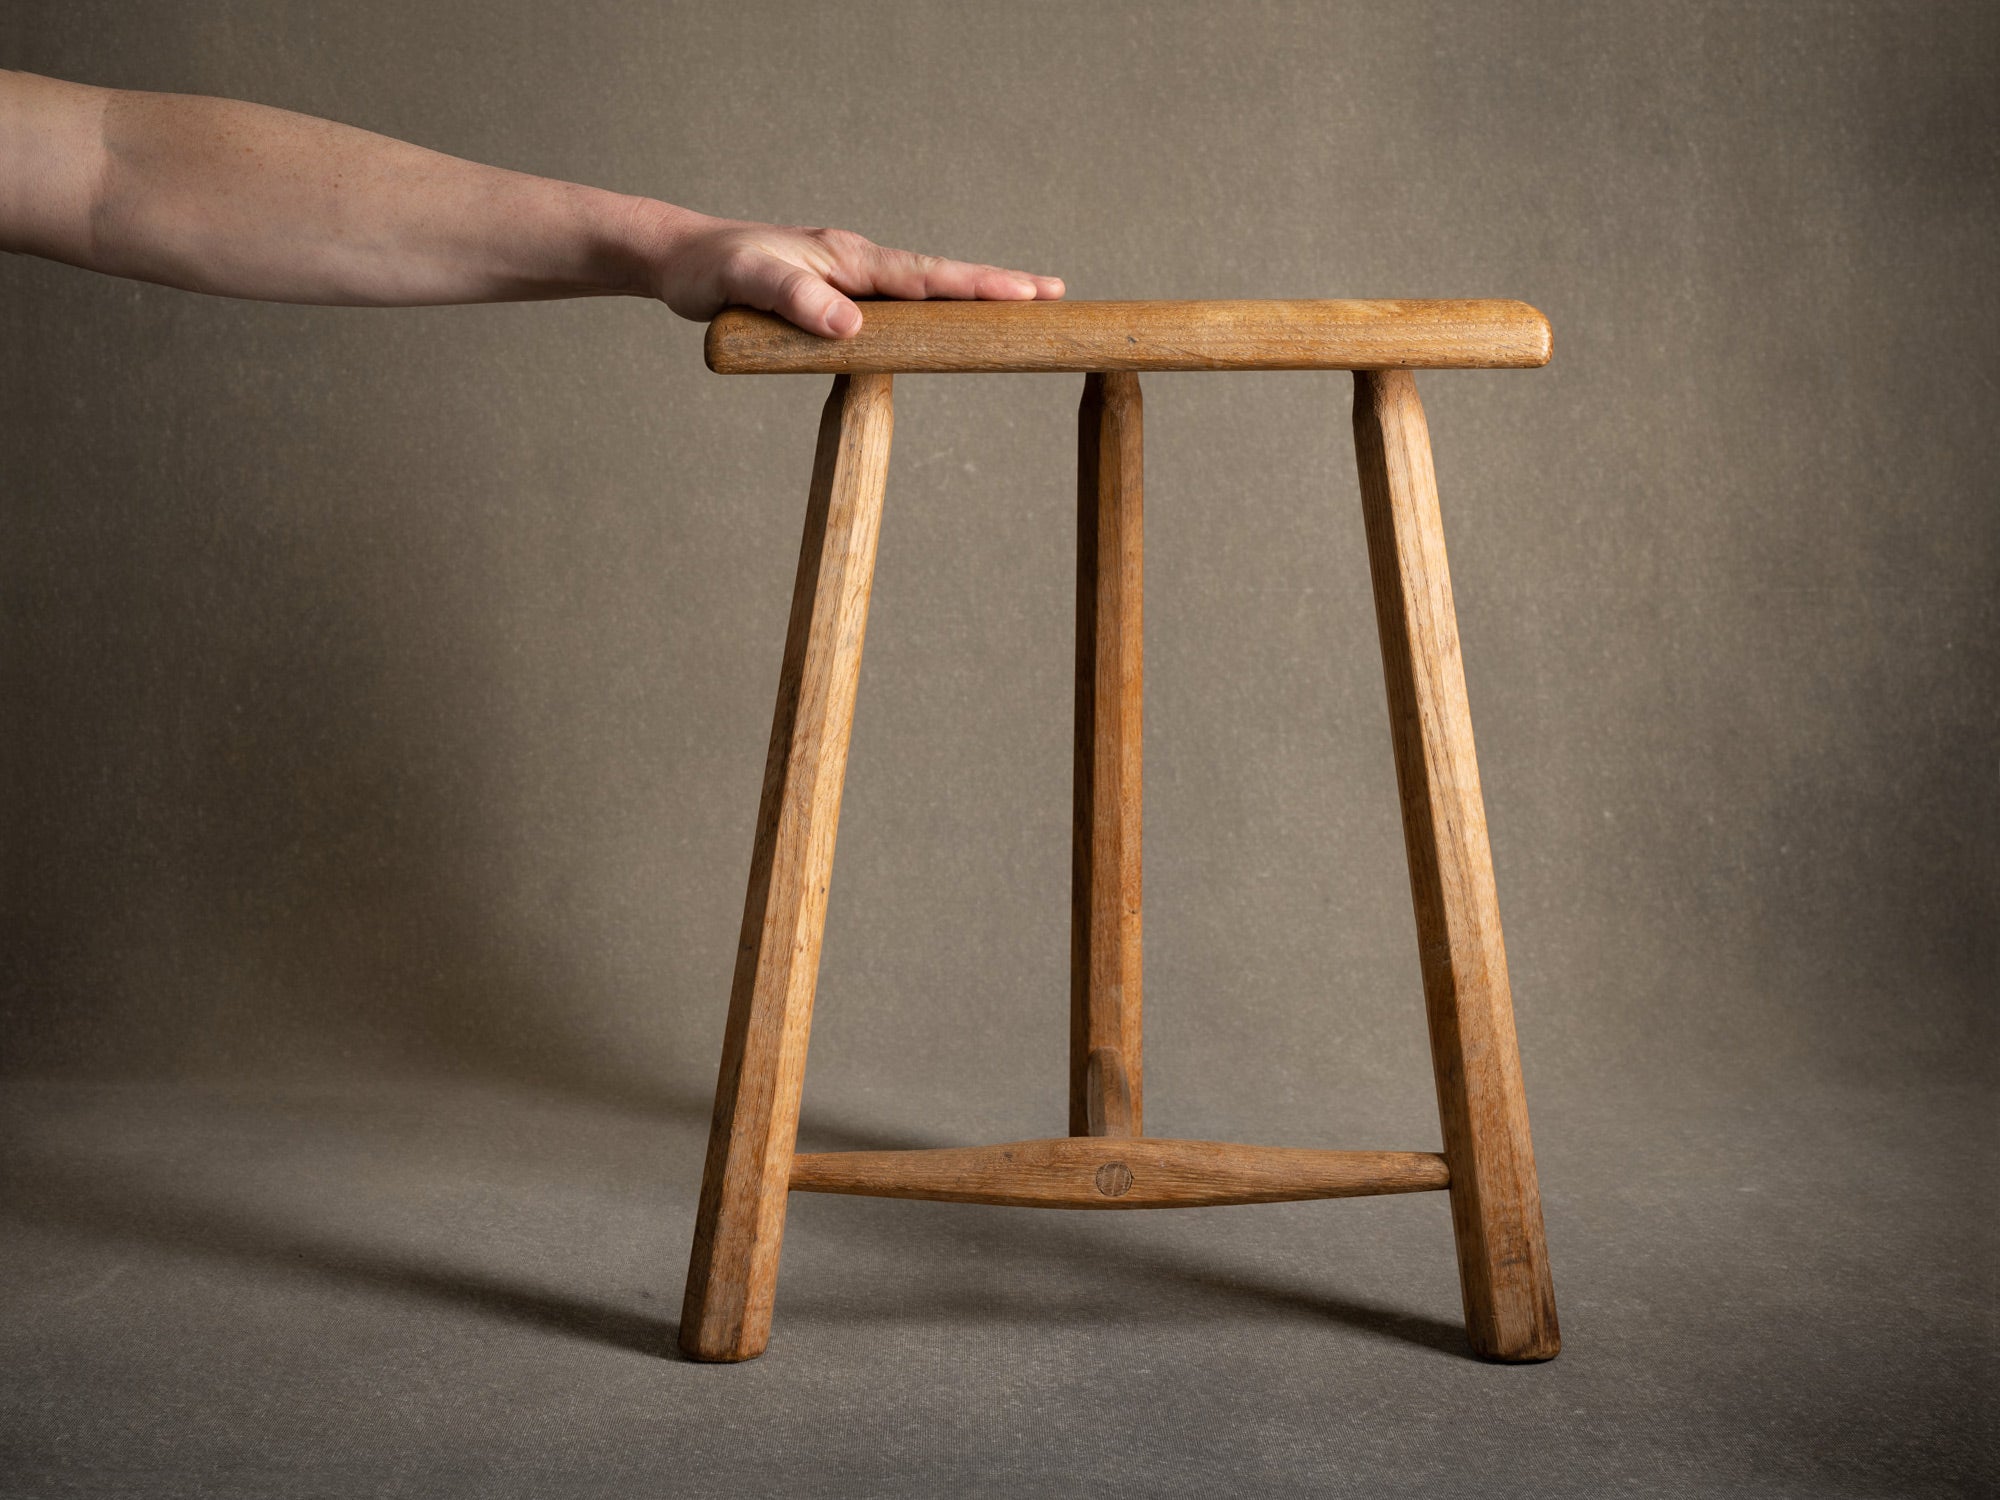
(1106,1082)
(732,1274)
(1496,1206)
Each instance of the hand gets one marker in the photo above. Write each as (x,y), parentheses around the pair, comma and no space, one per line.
(807,276)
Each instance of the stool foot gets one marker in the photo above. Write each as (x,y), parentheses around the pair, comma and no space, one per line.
(740,1224)
(1104,986)
(1496,1208)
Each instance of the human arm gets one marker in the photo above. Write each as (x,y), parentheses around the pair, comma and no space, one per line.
(242,200)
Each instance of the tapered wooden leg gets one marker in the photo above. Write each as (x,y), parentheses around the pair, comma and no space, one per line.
(1106,1080)
(1496,1206)
(733,1272)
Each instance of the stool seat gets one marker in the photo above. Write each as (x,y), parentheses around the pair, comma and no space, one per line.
(1080,337)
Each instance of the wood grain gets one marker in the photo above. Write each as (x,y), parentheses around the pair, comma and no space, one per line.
(740,1222)
(1496,1204)
(1105,893)
(1084,1172)
(1322,334)
(1107,1095)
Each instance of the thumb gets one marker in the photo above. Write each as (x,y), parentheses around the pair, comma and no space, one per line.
(799,296)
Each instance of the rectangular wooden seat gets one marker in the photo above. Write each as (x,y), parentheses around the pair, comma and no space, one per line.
(977,337)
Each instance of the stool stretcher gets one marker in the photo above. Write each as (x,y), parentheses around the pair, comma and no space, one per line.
(1092,1172)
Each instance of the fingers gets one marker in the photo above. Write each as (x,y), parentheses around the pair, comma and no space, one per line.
(903,273)
(808,278)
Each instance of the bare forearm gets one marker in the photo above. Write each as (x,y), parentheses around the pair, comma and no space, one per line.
(214,195)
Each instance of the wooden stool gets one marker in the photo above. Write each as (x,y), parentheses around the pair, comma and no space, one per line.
(1107,1161)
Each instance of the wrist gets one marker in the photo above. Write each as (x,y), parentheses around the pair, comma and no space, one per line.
(650,235)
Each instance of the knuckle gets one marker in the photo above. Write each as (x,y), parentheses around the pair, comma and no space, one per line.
(840,240)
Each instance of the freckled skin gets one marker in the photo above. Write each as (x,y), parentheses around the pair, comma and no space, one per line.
(240,200)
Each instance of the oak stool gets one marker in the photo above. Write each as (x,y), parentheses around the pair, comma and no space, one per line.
(1107,1160)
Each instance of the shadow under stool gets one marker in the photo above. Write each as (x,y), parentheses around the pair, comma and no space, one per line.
(1107,1160)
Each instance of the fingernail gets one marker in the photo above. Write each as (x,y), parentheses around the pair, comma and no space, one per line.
(844,320)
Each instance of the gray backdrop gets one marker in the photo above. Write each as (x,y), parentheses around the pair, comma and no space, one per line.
(386,694)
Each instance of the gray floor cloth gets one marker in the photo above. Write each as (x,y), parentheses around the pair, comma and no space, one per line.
(432,1288)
